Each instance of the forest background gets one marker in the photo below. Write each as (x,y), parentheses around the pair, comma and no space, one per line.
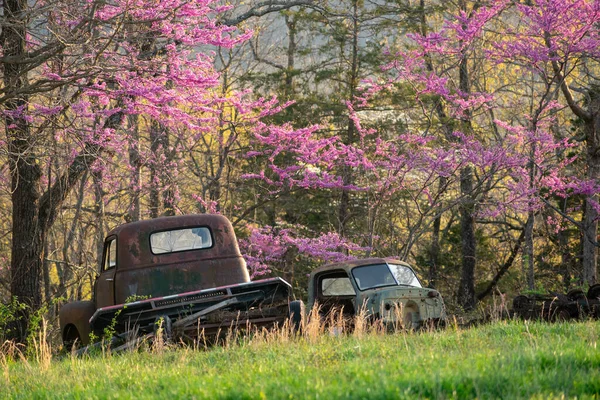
(461,136)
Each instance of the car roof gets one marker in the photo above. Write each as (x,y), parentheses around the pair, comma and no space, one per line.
(134,248)
(348,265)
(171,222)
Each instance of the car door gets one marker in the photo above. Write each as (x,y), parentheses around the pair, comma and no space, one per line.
(105,284)
(335,292)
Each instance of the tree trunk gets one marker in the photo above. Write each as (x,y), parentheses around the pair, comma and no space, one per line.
(446,124)
(590,222)
(156,144)
(135,210)
(434,250)
(591,119)
(290,22)
(566,257)
(46,274)
(344,213)
(27,242)
(528,264)
(67,276)
(466,289)
(511,258)
(99,208)
(434,253)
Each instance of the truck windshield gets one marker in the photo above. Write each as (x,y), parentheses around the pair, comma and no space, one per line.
(404,275)
(378,275)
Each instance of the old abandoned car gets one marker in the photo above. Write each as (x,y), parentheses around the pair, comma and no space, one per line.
(386,289)
(182,273)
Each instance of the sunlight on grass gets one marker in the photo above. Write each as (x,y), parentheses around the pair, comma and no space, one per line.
(512,359)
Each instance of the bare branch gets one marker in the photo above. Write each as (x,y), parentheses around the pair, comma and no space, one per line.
(575,108)
(267,7)
(56,195)
(507,264)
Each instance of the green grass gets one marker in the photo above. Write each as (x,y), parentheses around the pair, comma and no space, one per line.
(501,360)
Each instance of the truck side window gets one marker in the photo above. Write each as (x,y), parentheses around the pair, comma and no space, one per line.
(339,286)
(110,258)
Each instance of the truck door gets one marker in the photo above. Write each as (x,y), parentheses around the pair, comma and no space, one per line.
(335,292)
(105,284)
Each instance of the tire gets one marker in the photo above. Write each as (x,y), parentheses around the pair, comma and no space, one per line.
(71,337)
(521,303)
(575,294)
(296,314)
(594,292)
(561,315)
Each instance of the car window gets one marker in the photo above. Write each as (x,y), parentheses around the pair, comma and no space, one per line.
(180,240)
(405,275)
(370,276)
(110,258)
(337,287)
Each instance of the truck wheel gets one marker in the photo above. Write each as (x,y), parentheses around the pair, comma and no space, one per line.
(296,314)
(561,314)
(575,294)
(71,337)
(521,303)
(594,292)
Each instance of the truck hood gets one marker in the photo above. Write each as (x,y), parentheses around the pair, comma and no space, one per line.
(401,292)
(428,302)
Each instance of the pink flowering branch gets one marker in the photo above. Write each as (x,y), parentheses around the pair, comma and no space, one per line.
(267,247)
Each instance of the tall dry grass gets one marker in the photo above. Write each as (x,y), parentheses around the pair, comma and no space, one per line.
(313,327)
(41,347)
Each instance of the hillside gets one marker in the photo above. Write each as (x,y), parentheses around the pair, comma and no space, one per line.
(506,359)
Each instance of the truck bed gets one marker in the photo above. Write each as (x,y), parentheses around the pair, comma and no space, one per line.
(208,311)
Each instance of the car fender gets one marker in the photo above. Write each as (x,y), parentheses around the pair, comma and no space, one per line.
(76,314)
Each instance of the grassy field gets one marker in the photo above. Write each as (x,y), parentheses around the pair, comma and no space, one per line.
(501,360)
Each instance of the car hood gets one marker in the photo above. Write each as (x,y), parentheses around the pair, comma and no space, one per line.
(400,292)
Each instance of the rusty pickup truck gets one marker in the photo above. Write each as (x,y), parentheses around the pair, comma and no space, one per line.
(385,289)
(184,273)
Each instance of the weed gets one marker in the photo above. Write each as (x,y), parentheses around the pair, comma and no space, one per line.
(41,347)
(314,326)
(9,314)
(158,344)
(360,322)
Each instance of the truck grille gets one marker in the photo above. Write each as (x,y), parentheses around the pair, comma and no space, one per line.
(191,298)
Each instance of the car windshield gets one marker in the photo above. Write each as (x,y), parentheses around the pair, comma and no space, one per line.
(404,275)
(378,275)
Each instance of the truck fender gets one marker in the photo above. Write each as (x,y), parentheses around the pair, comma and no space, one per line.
(75,322)
(297,314)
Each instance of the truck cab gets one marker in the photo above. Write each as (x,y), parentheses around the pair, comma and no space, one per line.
(386,289)
(168,255)
(173,268)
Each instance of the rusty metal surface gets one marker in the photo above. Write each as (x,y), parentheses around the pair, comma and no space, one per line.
(414,306)
(210,330)
(575,304)
(186,286)
(243,302)
(76,315)
(141,273)
(104,289)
